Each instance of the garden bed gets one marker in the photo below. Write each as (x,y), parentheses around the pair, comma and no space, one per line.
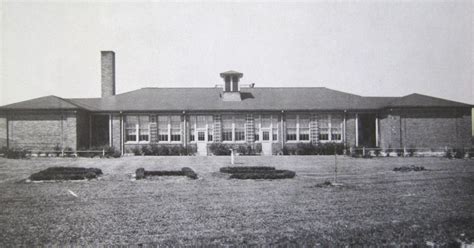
(245,169)
(256,172)
(66,173)
(141,173)
(409,168)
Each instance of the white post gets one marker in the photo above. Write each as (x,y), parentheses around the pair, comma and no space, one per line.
(377,131)
(231,156)
(110,130)
(357,129)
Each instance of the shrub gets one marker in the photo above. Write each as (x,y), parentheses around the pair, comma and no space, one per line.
(14,153)
(219,149)
(147,150)
(176,150)
(314,149)
(189,172)
(258,148)
(66,173)
(409,168)
(269,174)
(459,153)
(245,169)
(140,173)
(164,173)
(136,151)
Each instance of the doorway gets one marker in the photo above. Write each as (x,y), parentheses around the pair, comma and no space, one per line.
(367,137)
(99,130)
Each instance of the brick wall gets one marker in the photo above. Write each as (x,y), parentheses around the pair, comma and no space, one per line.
(350,129)
(435,128)
(389,130)
(42,130)
(3,131)
(116,131)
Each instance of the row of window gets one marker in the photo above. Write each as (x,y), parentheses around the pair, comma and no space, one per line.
(201,128)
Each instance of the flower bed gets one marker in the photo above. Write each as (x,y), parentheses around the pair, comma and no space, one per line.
(141,173)
(66,173)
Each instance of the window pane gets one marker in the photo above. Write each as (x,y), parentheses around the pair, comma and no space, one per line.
(201,136)
(131,134)
(227,135)
(291,121)
(266,135)
(239,135)
(304,133)
(291,133)
(210,134)
(304,121)
(201,121)
(131,121)
(239,127)
(266,121)
(275,134)
(226,121)
(163,121)
(336,128)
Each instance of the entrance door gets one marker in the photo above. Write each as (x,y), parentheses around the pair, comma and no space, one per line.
(266,142)
(201,143)
(367,130)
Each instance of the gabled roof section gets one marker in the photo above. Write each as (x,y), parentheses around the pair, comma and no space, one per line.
(418,100)
(202,99)
(47,102)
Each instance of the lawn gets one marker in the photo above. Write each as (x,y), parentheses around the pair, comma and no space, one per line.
(375,205)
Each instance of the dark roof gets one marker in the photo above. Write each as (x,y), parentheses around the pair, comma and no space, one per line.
(223,74)
(418,100)
(46,102)
(202,99)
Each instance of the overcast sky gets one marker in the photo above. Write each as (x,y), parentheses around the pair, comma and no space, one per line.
(387,48)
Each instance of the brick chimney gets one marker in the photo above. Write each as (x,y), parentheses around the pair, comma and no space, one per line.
(231,85)
(108,73)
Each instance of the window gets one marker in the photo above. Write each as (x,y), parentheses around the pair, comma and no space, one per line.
(233,128)
(131,123)
(144,128)
(297,127)
(175,126)
(239,128)
(169,128)
(163,128)
(336,129)
(266,128)
(291,129)
(304,127)
(324,128)
(201,126)
(330,128)
(274,128)
(210,128)
(226,128)
(137,128)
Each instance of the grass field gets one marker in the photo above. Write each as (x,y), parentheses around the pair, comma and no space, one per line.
(375,206)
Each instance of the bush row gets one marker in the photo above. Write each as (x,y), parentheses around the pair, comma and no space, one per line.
(14,153)
(314,149)
(109,152)
(163,150)
(220,149)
